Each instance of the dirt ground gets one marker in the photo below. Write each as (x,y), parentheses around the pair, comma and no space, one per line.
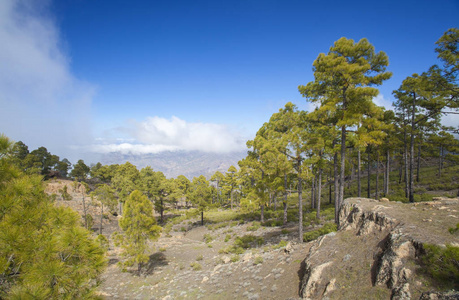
(264,272)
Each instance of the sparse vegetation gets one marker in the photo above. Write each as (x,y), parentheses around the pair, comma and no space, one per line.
(314,234)
(442,264)
(195,266)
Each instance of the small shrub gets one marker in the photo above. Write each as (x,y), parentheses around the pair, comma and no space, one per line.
(199,258)
(442,264)
(248,241)
(182,229)
(284,231)
(103,241)
(227,238)
(280,245)
(162,249)
(195,266)
(454,230)
(208,238)
(258,260)
(254,227)
(234,258)
(312,235)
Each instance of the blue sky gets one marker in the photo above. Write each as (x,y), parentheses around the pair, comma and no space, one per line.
(89,76)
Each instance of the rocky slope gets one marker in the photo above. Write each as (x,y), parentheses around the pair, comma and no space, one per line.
(375,254)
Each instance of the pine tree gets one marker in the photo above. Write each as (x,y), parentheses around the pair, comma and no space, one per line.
(342,85)
(139,226)
(201,195)
(44,253)
(106,196)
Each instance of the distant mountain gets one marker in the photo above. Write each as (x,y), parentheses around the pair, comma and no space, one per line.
(175,163)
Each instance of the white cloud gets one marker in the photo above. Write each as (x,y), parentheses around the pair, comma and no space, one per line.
(156,134)
(381,101)
(41,102)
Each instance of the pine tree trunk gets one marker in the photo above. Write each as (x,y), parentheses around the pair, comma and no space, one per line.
(231,193)
(343,165)
(359,187)
(418,167)
(384,178)
(329,189)
(162,210)
(400,169)
(319,193)
(202,218)
(368,171)
(440,165)
(411,186)
(313,192)
(335,183)
(262,213)
(386,190)
(101,217)
(284,220)
(406,165)
(377,176)
(300,206)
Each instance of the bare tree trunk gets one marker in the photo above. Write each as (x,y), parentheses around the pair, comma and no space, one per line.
(202,218)
(300,207)
(359,187)
(284,221)
(231,193)
(411,186)
(319,193)
(335,183)
(313,192)
(101,217)
(343,165)
(377,175)
(262,213)
(162,210)
(418,167)
(406,165)
(400,169)
(440,165)
(329,189)
(368,170)
(386,190)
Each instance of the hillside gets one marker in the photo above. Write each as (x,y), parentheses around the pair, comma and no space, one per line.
(175,163)
(376,254)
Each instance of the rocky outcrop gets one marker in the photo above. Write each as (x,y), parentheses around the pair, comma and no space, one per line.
(353,217)
(394,247)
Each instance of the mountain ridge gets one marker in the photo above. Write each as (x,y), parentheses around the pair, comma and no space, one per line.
(181,162)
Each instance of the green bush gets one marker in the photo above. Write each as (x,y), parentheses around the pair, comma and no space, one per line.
(248,241)
(442,264)
(254,227)
(103,241)
(258,260)
(195,266)
(312,235)
(208,238)
(280,245)
(200,257)
(227,238)
(454,230)
(234,258)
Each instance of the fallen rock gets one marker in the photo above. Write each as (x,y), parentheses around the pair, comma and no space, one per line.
(289,248)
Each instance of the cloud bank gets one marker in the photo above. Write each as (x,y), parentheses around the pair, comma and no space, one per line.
(156,134)
(42,103)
